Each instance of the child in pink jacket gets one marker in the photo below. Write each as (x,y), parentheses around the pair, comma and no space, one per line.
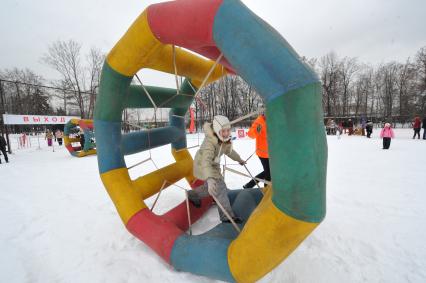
(387,134)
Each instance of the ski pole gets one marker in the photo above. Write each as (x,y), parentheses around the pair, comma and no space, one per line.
(251,176)
(189,213)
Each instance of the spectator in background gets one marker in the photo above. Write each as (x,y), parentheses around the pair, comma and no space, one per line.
(330,127)
(340,128)
(333,127)
(416,127)
(49,137)
(387,134)
(3,148)
(424,127)
(82,139)
(351,127)
(363,125)
(59,135)
(327,126)
(345,126)
(369,128)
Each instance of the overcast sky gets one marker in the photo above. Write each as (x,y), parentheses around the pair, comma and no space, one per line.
(374,31)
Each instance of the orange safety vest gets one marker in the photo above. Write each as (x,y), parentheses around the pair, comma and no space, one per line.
(258,131)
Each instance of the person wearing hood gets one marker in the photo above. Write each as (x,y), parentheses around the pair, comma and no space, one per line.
(207,166)
(416,127)
(387,134)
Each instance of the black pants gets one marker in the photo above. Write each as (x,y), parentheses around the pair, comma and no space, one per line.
(265,174)
(424,134)
(416,132)
(386,143)
(3,150)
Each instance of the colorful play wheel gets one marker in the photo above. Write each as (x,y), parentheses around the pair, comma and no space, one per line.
(294,206)
(79,138)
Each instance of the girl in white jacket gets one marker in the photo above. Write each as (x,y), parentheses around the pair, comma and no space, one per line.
(207,165)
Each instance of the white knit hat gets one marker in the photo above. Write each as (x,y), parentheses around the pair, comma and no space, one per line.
(221,122)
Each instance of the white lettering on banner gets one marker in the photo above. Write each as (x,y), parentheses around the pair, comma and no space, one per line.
(11,119)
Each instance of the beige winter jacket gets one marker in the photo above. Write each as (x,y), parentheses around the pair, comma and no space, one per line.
(207,158)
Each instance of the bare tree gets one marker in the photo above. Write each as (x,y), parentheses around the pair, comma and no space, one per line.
(95,59)
(64,94)
(420,63)
(392,90)
(329,74)
(347,69)
(387,75)
(230,96)
(364,90)
(65,57)
(405,85)
(22,93)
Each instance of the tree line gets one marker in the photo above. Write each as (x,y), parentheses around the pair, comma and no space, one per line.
(392,91)
(25,92)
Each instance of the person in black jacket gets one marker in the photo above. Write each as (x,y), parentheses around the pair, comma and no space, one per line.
(424,127)
(3,149)
(369,128)
(350,127)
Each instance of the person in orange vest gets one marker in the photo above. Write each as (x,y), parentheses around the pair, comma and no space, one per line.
(258,131)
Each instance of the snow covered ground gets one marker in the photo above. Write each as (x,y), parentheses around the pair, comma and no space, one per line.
(59,225)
